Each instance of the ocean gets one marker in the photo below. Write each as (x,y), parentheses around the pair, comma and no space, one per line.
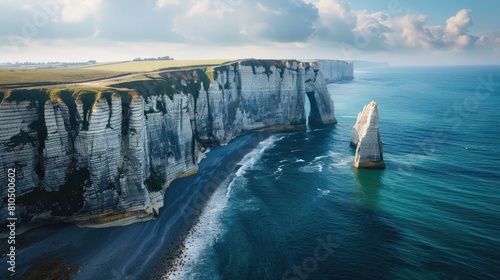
(297,208)
(292,205)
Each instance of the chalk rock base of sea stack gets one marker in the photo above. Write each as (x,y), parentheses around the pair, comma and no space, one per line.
(366,138)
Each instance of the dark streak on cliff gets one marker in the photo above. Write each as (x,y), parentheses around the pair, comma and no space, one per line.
(67,97)
(126,98)
(266,64)
(88,98)
(41,130)
(65,202)
(19,140)
(155,181)
(109,96)
(160,106)
(146,88)
(314,115)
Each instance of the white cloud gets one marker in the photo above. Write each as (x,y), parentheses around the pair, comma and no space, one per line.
(161,3)
(208,8)
(459,23)
(223,22)
(310,24)
(340,23)
(78,10)
(412,31)
(265,9)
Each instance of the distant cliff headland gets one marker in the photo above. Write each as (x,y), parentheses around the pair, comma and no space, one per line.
(103,148)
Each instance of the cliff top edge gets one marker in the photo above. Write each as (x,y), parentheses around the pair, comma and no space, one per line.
(97,75)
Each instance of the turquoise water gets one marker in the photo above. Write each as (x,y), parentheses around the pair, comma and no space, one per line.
(297,209)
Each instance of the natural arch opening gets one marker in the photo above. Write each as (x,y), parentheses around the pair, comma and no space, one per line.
(312,110)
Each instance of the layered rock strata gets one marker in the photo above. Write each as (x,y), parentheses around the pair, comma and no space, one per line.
(365,138)
(104,154)
(334,70)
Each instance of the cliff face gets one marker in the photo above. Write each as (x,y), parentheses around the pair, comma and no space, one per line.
(318,74)
(106,154)
(365,138)
(335,70)
(322,110)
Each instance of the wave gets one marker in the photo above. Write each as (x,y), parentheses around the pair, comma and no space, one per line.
(210,228)
(342,162)
(319,158)
(278,172)
(200,239)
(312,168)
(323,192)
(249,160)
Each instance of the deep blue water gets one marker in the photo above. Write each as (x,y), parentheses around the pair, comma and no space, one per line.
(298,209)
(292,206)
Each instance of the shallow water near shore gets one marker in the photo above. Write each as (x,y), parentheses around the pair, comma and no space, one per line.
(292,206)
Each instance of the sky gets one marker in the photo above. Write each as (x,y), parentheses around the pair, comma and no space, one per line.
(401,32)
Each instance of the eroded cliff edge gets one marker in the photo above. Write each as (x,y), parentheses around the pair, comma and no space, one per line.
(105,152)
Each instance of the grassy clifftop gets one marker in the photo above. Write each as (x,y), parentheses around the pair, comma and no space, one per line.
(12,78)
(145,77)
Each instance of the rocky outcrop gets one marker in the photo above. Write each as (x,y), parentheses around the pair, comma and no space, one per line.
(365,138)
(318,74)
(322,108)
(105,153)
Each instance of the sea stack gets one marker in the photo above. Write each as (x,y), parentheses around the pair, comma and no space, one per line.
(365,138)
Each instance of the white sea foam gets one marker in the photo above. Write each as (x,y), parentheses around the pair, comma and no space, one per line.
(210,228)
(334,154)
(319,158)
(200,239)
(311,168)
(323,192)
(316,165)
(340,159)
(340,163)
(278,172)
(249,160)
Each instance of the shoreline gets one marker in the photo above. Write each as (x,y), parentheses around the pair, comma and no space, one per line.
(144,247)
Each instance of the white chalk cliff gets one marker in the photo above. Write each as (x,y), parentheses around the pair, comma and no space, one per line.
(94,156)
(335,70)
(365,138)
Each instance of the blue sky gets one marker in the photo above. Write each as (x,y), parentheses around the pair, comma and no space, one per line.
(398,31)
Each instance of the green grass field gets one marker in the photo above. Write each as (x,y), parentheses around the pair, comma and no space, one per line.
(26,77)
(148,66)
(32,76)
